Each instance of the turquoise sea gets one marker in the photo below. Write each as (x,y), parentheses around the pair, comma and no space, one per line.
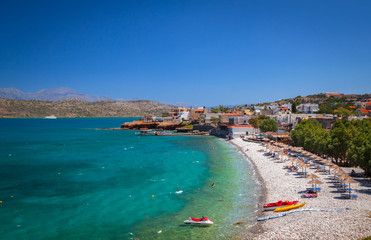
(68,179)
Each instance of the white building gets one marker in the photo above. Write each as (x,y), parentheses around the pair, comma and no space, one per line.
(184,116)
(241,130)
(273,106)
(308,108)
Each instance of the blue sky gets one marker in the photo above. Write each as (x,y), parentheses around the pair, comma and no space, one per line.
(198,52)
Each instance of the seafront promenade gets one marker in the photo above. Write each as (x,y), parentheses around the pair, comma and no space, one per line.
(352,222)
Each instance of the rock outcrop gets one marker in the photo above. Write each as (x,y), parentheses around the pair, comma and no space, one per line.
(151,125)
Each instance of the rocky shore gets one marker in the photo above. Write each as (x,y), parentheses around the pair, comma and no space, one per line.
(352,222)
(151,125)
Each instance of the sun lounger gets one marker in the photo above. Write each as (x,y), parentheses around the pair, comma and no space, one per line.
(316,189)
(344,189)
(347,196)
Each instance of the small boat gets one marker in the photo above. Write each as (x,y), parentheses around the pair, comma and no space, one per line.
(283,209)
(51,117)
(199,221)
(273,206)
(146,132)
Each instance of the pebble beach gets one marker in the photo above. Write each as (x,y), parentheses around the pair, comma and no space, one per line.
(353,221)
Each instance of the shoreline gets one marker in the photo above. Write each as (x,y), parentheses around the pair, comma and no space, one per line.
(353,222)
(257,228)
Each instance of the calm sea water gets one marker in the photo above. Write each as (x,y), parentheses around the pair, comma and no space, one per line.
(67,179)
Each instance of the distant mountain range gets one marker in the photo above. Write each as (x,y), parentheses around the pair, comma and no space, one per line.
(56,94)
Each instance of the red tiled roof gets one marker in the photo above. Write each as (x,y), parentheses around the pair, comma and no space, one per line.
(231,114)
(368,103)
(239,126)
(351,107)
(364,110)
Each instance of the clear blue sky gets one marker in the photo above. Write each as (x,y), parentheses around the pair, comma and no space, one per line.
(198,52)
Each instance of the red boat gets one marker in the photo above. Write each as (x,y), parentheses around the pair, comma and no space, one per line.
(273,206)
(199,221)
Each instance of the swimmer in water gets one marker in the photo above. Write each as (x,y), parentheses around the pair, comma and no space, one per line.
(213,185)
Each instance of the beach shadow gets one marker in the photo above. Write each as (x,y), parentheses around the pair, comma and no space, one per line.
(365,191)
(365,182)
(348,199)
(336,192)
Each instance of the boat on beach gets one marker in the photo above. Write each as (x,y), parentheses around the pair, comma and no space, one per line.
(204,221)
(273,206)
(283,209)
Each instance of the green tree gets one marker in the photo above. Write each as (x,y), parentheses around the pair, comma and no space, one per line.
(359,150)
(223,109)
(294,105)
(255,122)
(268,125)
(343,112)
(311,136)
(341,138)
(348,142)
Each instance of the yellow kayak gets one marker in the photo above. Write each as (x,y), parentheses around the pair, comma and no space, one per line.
(282,209)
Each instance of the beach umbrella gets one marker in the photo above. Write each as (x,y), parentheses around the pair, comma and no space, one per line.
(315,182)
(312,176)
(334,166)
(304,167)
(292,159)
(307,153)
(343,176)
(349,181)
(330,165)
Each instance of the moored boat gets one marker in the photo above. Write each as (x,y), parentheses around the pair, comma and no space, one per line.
(273,206)
(204,221)
(283,209)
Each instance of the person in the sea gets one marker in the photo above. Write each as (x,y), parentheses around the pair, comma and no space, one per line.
(213,185)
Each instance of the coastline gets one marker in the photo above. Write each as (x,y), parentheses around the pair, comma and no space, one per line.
(256,229)
(352,222)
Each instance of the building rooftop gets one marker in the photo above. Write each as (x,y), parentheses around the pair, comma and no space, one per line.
(230,114)
(231,126)
(364,110)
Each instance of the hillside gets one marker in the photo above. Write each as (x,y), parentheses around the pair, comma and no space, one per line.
(80,108)
(49,95)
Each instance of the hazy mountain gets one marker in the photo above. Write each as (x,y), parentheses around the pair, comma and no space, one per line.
(74,107)
(49,95)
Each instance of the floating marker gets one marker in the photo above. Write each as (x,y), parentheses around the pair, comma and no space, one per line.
(1,202)
(153,196)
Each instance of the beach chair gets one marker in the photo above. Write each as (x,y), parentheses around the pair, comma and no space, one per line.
(347,196)
(344,189)
(316,189)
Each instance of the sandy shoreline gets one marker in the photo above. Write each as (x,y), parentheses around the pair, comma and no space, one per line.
(353,222)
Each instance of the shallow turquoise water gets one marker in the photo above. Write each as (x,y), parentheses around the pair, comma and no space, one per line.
(66,179)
